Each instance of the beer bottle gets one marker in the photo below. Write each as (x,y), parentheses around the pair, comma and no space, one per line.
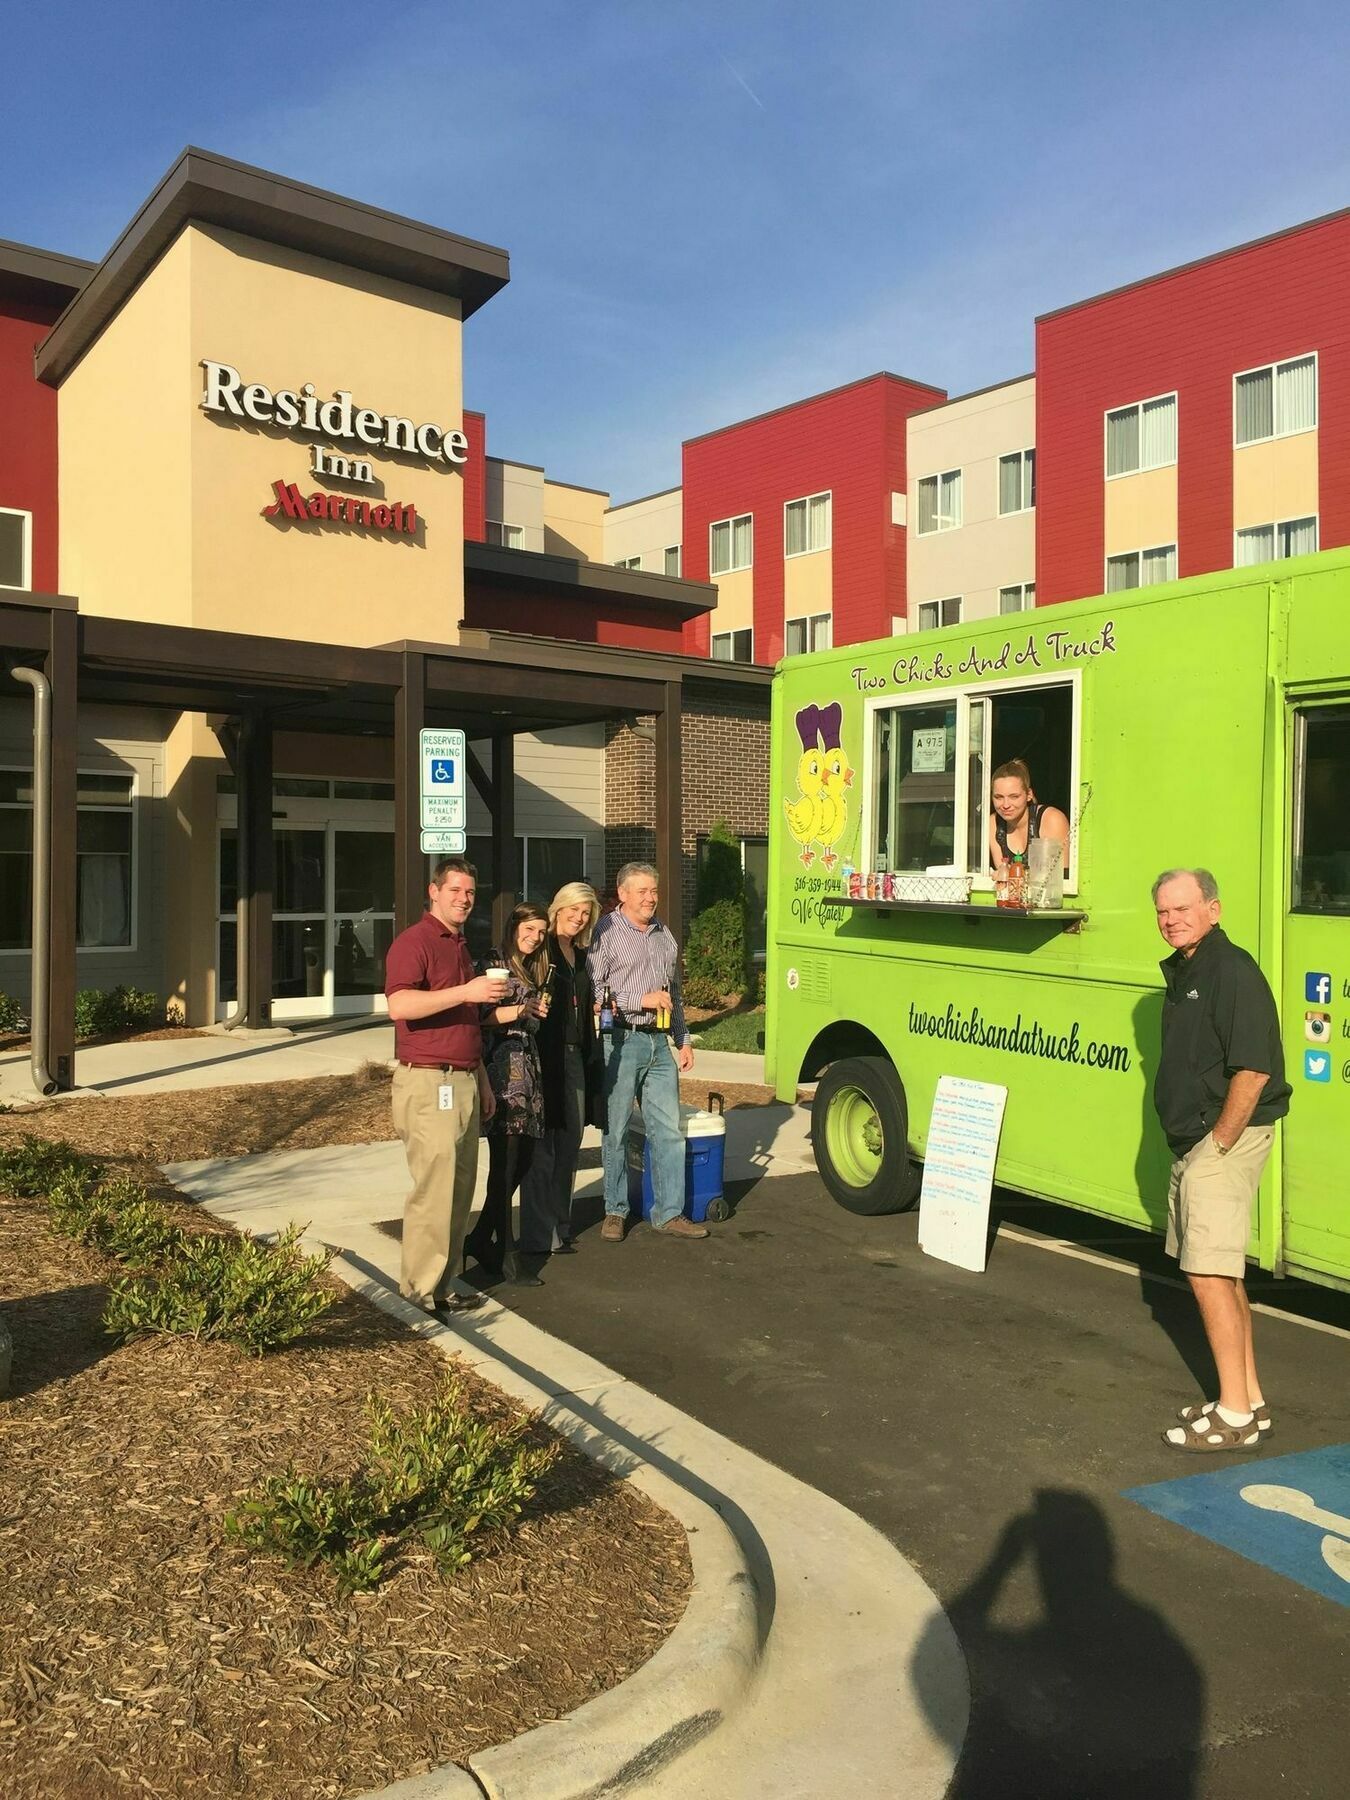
(663,1018)
(607,1009)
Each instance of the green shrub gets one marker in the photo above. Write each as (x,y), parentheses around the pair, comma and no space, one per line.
(101,1013)
(436,1473)
(715,948)
(699,991)
(258,1296)
(761,987)
(720,876)
(32,1167)
(11,1014)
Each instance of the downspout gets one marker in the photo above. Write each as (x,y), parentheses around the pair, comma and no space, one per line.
(40,1005)
(243,869)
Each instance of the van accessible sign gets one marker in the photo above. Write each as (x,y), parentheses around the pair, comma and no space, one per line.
(227,394)
(444,792)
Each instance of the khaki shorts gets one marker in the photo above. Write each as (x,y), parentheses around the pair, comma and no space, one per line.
(1209,1203)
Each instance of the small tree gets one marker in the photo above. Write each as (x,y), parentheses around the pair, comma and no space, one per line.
(716,946)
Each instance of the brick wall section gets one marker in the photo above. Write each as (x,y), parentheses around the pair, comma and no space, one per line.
(1190,331)
(725,750)
(850,441)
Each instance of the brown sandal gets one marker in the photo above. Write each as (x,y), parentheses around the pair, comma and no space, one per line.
(1215,1434)
(1265,1424)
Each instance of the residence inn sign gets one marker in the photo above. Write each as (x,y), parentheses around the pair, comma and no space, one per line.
(339,420)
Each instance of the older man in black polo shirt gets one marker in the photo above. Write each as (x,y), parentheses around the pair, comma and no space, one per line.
(1220,1089)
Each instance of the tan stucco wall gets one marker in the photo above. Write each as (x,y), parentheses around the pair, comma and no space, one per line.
(162,504)
(808,584)
(125,484)
(574,521)
(1140,510)
(735,609)
(645,528)
(985,552)
(514,495)
(1275,481)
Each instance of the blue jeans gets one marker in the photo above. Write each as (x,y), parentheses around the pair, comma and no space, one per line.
(639,1066)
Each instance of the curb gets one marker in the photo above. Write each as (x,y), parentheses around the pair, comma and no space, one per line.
(685,1690)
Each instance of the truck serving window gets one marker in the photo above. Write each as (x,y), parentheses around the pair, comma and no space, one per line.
(934,758)
(1321,817)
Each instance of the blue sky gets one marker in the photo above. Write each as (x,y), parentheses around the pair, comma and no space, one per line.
(711,209)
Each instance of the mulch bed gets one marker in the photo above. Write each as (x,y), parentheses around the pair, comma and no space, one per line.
(142,1651)
(161,1033)
(193,1123)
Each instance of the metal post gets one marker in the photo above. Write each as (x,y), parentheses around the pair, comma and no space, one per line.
(234,740)
(410,866)
(40,998)
(506,873)
(63,674)
(669,814)
(255,822)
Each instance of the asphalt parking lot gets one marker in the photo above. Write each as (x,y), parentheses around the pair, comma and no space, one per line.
(995,1427)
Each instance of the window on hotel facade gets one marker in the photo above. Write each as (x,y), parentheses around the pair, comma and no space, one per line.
(806,525)
(814,632)
(1141,568)
(939,502)
(16,556)
(1275,401)
(1141,437)
(933,613)
(673,559)
(545,865)
(731,545)
(755,869)
(733,646)
(1021,597)
(1267,543)
(629,562)
(510,537)
(104,861)
(1017,482)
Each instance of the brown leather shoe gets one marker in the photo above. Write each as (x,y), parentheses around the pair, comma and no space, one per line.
(612,1229)
(679,1226)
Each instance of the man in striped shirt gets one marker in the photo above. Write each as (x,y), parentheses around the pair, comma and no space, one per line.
(637,959)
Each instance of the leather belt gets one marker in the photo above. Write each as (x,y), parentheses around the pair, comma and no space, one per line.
(441,1068)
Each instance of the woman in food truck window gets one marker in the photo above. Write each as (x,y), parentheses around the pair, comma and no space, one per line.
(1019,816)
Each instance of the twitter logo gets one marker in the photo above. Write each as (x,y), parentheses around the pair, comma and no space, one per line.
(1316,1065)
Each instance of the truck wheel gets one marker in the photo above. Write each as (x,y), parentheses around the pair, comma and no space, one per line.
(860,1130)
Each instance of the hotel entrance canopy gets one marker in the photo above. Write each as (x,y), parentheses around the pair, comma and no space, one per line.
(493,685)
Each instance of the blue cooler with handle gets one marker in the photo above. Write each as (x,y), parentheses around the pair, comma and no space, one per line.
(705,1142)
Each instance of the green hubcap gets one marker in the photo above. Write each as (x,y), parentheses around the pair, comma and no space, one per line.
(854,1138)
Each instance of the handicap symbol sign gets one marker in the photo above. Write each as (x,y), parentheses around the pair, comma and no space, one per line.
(1288,1513)
(442,769)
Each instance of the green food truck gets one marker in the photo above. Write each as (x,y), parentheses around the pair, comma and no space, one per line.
(1200,723)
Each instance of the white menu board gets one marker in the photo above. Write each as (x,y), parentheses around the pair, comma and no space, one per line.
(958,1170)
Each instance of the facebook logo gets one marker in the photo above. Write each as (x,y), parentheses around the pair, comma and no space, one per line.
(1317,987)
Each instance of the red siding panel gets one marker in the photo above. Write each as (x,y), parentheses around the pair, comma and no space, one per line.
(618,625)
(28,466)
(851,441)
(475,478)
(1191,331)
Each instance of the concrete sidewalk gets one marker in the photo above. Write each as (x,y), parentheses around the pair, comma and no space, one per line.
(225,1059)
(861,1686)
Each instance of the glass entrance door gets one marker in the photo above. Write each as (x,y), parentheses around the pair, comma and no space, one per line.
(332,918)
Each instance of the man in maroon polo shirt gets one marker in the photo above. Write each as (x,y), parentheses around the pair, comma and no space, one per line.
(440,1086)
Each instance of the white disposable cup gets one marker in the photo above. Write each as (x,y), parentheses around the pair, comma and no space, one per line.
(499,975)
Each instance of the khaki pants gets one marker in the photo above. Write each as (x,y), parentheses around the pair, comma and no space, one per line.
(442,1151)
(1209,1203)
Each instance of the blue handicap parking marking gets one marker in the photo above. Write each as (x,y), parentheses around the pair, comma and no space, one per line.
(1288,1513)
(442,768)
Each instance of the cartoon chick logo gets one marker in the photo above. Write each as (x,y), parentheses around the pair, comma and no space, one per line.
(824,775)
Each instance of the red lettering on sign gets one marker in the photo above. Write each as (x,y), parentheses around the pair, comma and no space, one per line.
(340,509)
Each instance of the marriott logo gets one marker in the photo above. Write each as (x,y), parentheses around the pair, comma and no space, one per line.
(340,509)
